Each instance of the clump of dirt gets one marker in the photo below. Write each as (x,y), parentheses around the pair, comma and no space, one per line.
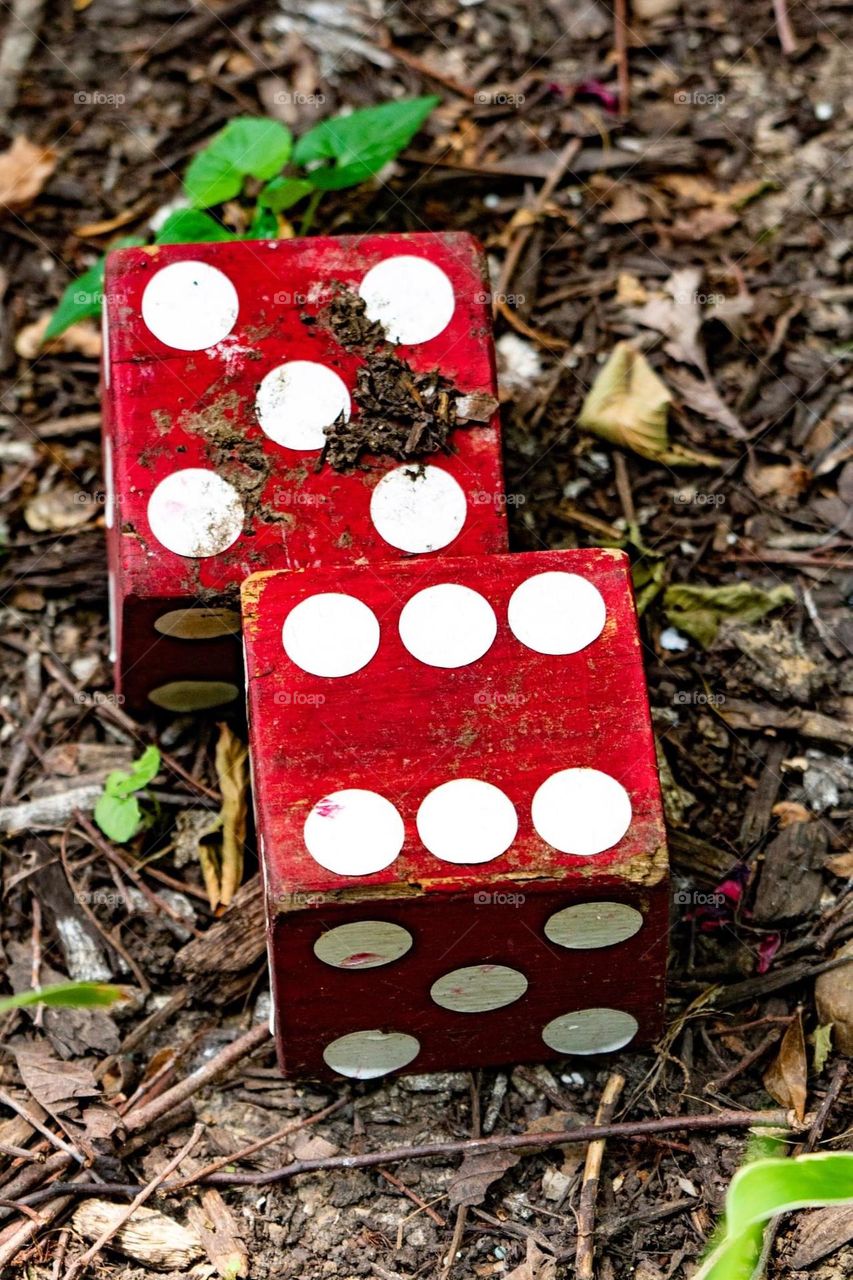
(401,414)
(242,462)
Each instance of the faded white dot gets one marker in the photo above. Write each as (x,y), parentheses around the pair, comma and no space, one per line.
(365,1055)
(556,612)
(190,305)
(297,400)
(589,925)
(330,634)
(467,820)
(479,988)
(587,1031)
(364,944)
(581,811)
(198,624)
(417,508)
(109,486)
(195,513)
(410,297)
(354,832)
(447,625)
(193,695)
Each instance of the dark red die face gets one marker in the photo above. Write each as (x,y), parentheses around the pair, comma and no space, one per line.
(223,365)
(430,734)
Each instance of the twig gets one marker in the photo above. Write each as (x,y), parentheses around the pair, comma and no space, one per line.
(527,1142)
(204,1075)
(585,1253)
(21,1110)
(516,248)
(620,46)
(747,1061)
(787,39)
(147,1191)
(415,1199)
(21,1153)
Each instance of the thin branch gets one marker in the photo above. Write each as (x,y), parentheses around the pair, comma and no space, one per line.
(585,1254)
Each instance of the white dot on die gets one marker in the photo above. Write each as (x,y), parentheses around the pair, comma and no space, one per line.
(467,820)
(365,1055)
(447,625)
(354,832)
(590,925)
(581,811)
(363,944)
(296,400)
(556,613)
(330,634)
(410,297)
(479,988)
(109,489)
(587,1031)
(190,305)
(418,509)
(195,513)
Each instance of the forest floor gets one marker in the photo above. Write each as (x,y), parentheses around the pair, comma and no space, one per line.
(703,214)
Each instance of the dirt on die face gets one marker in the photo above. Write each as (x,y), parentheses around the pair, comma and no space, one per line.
(401,414)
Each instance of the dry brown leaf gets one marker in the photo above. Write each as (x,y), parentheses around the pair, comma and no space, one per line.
(702,224)
(630,290)
(677,314)
(476,1174)
(58,510)
(24,169)
(625,204)
(840,864)
(83,338)
(790,812)
(56,1085)
(778,480)
(701,394)
(536,1266)
(231,769)
(628,404)
(785,1079)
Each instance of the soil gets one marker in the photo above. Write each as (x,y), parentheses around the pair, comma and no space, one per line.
(704,216)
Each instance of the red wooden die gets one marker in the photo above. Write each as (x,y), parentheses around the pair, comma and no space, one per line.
(221,369)
(458,810)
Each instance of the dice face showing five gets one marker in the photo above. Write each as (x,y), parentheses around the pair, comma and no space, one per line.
(458,811)
(223,364)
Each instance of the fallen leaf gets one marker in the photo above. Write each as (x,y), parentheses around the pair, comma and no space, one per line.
(702,224)
(55,1085)
(785,1079)
(624,205)
(778,480)
(82,339)
(834,997)
(231,770)
(59,510)
(476,1174)
(677,314)
(822,1046)
(629,289)
(699,611)
(841,864)
(701,394)
(628,404)
(536,1266)
(789,812)
(24,169)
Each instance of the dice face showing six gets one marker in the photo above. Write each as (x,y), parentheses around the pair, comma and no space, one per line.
(223,364)
(458,811)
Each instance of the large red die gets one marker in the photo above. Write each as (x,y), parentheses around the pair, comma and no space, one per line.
(222,367)
(458,811)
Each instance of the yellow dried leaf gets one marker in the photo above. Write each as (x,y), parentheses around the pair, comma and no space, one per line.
(628,404)
(231,769)
(785,1079)
(24,169)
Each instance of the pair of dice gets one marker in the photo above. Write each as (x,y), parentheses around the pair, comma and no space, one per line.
(458,813)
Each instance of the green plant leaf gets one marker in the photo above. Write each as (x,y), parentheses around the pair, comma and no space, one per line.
(192,226)
(67,995)
(344,150)
(82,298)
(245,148)
(120,784)
(284,193)
(119,817)
(761,1190)
(264,225)
(734,1258)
